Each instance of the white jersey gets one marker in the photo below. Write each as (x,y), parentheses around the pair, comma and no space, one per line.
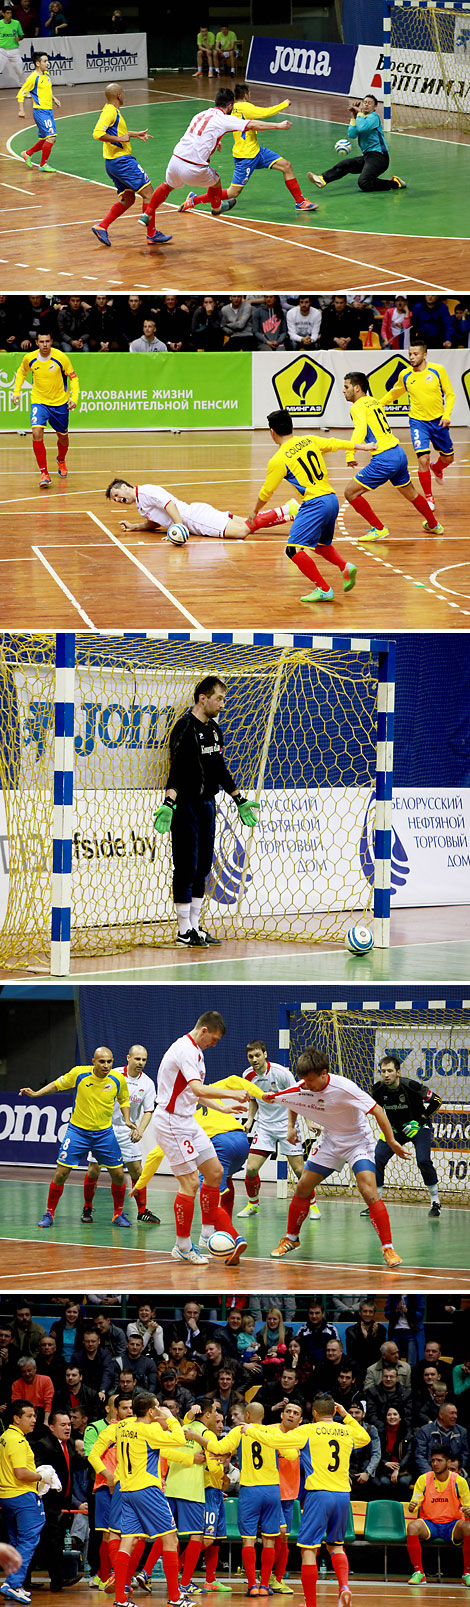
(203,135)
(340,1108)
(200,518)
(182,1063)
(142,1099)
(272,1081)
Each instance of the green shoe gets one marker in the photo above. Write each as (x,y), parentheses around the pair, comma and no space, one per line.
(417,1578)
(433,530)
(375,535)
(279,1587)
(319,596)
(221,1590)
(46,168)
(466,1580)
(28,159)
(314,1215)
(349,576)
(249,1210)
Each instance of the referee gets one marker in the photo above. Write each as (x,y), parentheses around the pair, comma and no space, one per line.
(197,772)
(409,1108)
(366,127)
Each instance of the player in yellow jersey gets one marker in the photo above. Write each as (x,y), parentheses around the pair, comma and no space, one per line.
(249,155)
(54,394)
(431,399)
(300,460)
(141,1442)
(388,460)
(90,1128)
(21,1507)
(102,1459)
(442,1499)
(259,1500)
(326,1448)
(39,86)
(129,178)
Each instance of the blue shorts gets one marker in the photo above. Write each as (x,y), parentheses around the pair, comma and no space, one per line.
(215,1523)
(115,1511)
(146,1513)
(288,1513)
(189,1515)
(103,1507)
(259,1505)
(325,1516)
(24,1518)
(315,522)
(231,1149)
(127,174)
(79,1141)
(57,417)
(44,122)
(427,432)
(244,166)
(440,1531)
(389,465)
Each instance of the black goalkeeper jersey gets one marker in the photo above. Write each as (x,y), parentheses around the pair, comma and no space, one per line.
(410,1102)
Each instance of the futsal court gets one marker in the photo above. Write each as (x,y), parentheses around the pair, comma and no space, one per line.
(352,241)
(365,1592)
(67,563)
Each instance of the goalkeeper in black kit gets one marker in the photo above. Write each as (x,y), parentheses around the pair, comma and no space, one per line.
(197,772)
(409,1107)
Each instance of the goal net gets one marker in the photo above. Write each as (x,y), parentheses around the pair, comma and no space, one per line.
(427,63)
(433,1047)
(84,750)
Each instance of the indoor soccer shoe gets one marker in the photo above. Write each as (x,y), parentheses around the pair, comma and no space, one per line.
(148,1216)
(349,577)
(158,239)
(373,534)
(193,1255)
(279,1587)
(225,206)
(306,206)
(318,595)
(44,480)
(47,1221)
(292,508)
(417,1578)
(188,204)
(62,469)
(27,158)
(218,1588)
(15,1594)
(143,1580)
(317,178)
(435,1209)
(284,1247)
(466,1580)
(101,234)
(121,1221)
(398,184)
(314,1212)
(87,1214)
(345,1597)
(240,1245)
(391,1257)
(433,530)
(251,1209)
(204,940)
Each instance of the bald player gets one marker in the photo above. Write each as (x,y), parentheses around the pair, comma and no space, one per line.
(259,1500)
(142,1101)
(90,1127)
(129,178)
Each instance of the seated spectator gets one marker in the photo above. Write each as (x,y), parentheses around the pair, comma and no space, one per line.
(340,327)
(365,1337)
(187,1367)
(49,1363)
(189,1328)
(461,1389)
(460,325)
(314,1334)
(431,322)
(278,1393)
(98,1366)
(68,1330)
(225,51)
(132,312)
(170,1388)
(210,1367)
(396,324)
(225,1388)
(364,1460)
(147,341)
(9,1356)
(303,324)
(327,1376)
(56,23)
(127,1383)
(388,1393)
(139,1363)
(247,1344)
(8,325)
(237,324)
(206,329)
(348,1391)
(73,322)
(151,1331)
(389,1356)
(437,1494)
(26,1334)
(173,326)
(427,1400)
(432,1358)
(104,332)
(205,53)
(274,1332)
(394,1470)
(28,18)
(269,324)
(34,1387)
(446,1432)
(111,1337)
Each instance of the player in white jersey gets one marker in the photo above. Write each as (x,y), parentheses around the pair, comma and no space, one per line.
(142,1100)
(267,1125)
(180,1081)
(341,1108)
(160,509)
(191,159)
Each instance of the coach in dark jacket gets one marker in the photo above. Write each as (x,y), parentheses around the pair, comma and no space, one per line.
(54,1447)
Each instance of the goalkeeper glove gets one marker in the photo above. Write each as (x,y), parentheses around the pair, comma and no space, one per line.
(247,811)
(164,815)
(411,1129)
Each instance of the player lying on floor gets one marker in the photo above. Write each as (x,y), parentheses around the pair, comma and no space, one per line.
(160,509)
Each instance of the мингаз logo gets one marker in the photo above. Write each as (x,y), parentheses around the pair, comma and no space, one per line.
(303,387)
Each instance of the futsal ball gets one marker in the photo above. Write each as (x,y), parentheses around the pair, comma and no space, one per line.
(359,940)
(220,1244)
(178,534)
(343,147)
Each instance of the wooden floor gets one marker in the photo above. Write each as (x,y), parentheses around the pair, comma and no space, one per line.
(366,1592)
(67,562)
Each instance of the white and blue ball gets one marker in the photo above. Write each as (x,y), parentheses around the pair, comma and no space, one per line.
(178,534)
(220,1244)
(343,147)
(359,940)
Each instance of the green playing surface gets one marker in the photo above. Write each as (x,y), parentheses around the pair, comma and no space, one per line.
(436,171)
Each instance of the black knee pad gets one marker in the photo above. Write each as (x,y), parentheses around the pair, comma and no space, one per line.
(290,552)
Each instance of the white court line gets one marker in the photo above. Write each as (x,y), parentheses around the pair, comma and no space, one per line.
(90,976)
(161,1257)
(64,588)
(152,578)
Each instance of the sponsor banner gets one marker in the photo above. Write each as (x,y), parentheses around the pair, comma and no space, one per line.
(310,384)
(301,64)
(430,847)
(146,390)
(419,77)
(31,1134)
(89,57)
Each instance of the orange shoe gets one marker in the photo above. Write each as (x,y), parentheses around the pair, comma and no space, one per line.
(391,1257)
(62,469)
(284,1247)
(110,1585)
(44,479)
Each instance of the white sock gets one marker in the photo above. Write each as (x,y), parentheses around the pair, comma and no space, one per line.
(194,913)
(434,1192)
(206,1231)
(182,913)
(183,1244)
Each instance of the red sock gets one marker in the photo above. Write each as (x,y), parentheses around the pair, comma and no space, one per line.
(295,190)
(184,1212)
(141,1199)
(424,477)
(105,1565)
(298,1210)
(40,454)
(309,1576)
(37,147)
(252,1185)
(134,1558)
(215,195)
(118,1191)
(415,1554)
(424,508)
(440,464)
(307,567)
(362,506)
(170,1568)
(249,1564)
(212,1211)
(113,1548)
(212,1558)
(46,151)
(90,1185)
(267,1559)
(154,1556)
(55,1191)
(159,195)
(62,447)
(281,1557)
(380,1221)
(332,556)
(190,1562)
(265,518)
(341,1568)
(466,1553)
(115,211)
(228,1197)
(120,1574)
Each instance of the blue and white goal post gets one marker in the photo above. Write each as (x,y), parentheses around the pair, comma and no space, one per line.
(443,8)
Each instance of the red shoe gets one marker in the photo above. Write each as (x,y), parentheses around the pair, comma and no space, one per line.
(62,469)
(44,479)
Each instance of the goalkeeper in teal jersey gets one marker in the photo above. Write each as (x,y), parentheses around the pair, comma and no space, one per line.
(409,1106)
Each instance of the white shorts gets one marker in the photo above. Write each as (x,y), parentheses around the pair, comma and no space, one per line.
(129,1151)
(183,1142)
(207,521)
(180,172)
(334,1153)
(266,1140)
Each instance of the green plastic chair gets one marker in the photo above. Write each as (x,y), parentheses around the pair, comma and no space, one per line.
(231,1518)
(385,1525)
(296,1516)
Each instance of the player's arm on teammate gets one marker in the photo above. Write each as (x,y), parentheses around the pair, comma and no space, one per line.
(361,1435)
(207,1098)
(96,1454)
(271,1434)
(20,376)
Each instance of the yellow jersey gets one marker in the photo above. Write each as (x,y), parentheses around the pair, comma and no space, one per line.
(54,378)
(439,1499)
(39,87)
(326,1451)
(218,1121)
(214,1468)
(111,121)
(370,427)
(300,461)
(259,1452)
(140,1447)
(247,144)
(429,392)
(187,1483)
(15,1452)
(94,1096)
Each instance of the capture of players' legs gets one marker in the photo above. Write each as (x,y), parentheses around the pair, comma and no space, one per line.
(367,1185)
(298,1211)
(41,456)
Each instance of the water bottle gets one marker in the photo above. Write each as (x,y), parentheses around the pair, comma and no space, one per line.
(67,1540)
(323,1571)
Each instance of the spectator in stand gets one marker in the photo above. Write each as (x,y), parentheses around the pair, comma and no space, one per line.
(137,1362)
(49,1363)
(205,53)
(104,332)
(432,1358)
(406,1324)
(28,18)
(394,1472)
(225,52)
(73,322)
(365,1337)
(34,1387)
(274,1332)
(8,326)
(98,1366)
(9,1356)
(348,1390)
(68,1330)
(340,327)
(26,1334)
(171,1389)
(460,325)
(280,1392)
(461,1389)
(117,24)
(388,1393)
(187,1367)
(303,325)
(189,1329)
(365,1460)
(237,324)
(206,331)
(389,1356)
(229,1334)
(149,1329)
(431,322)
(132,312)
(56,23)
(225,1386)
(76,1393)
(269,324)
(112,1338)
(259,1305)
(210,1368)
(147,341)
(396,324)
(127,1383)
(313,1335)
(429,1398)
(446,1431)
(173,326)
(328,1373)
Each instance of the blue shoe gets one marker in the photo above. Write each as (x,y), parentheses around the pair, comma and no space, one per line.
(101,234)
(232,1259)
(188,204)
(47,1221)
(15,1595)
(306,206)
(158,239)
(121,1221)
